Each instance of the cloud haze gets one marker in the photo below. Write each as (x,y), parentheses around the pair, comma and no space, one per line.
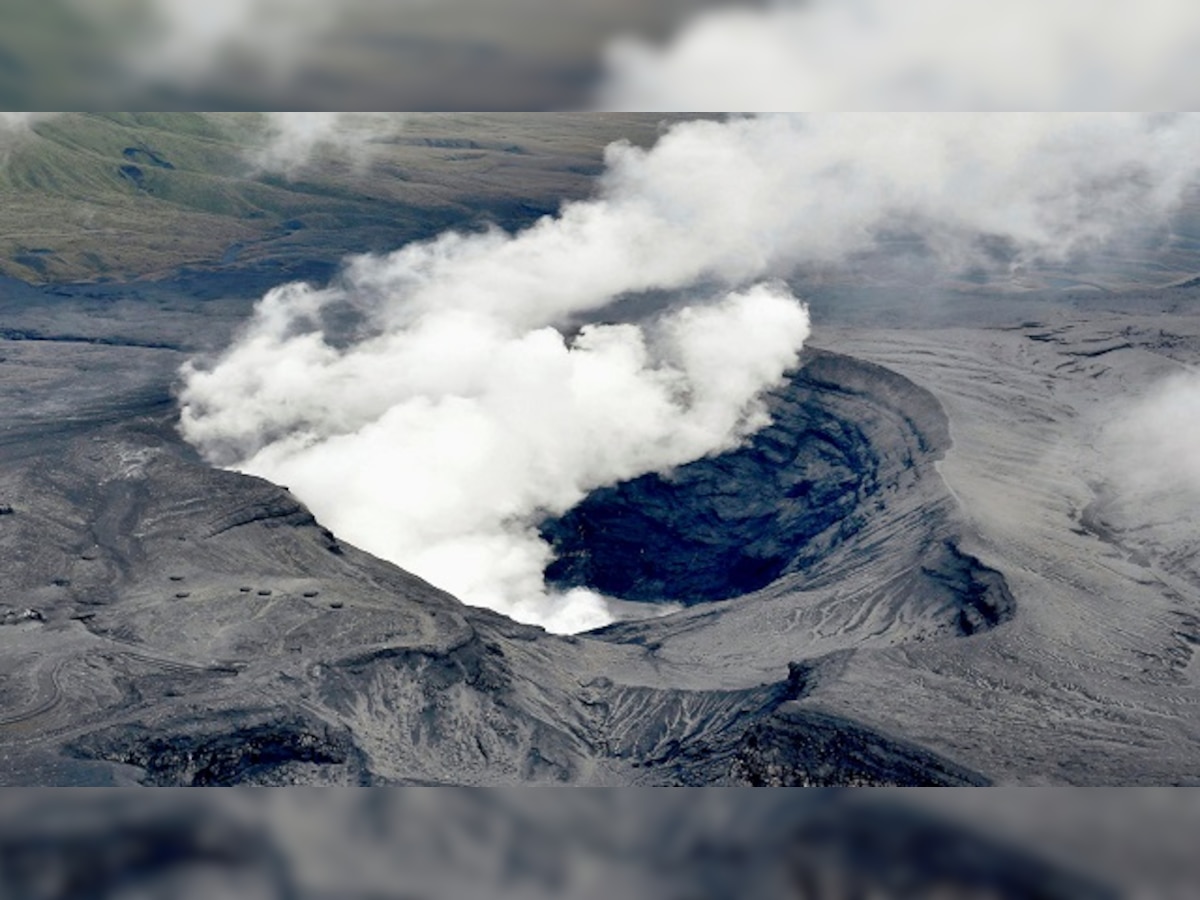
(916,55)
(314,54)
(14,125)
(292,140)
(432,404)
(1151,446)
(676,55)
(16,128)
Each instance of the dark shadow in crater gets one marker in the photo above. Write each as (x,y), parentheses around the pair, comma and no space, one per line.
(843,432)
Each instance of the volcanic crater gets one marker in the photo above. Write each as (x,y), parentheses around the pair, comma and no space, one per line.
(846,437)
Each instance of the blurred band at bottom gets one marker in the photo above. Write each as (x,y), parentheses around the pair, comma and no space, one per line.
(533,843)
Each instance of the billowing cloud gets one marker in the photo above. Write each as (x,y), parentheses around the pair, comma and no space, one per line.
(432,404)
(438,444)
(917,55)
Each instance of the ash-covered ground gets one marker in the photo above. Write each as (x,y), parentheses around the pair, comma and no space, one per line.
(927,570)
(915,575)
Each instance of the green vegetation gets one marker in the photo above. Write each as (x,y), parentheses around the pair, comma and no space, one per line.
(124,195)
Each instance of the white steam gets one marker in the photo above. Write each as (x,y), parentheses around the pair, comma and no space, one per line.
(1153,446)
(437,444)
(430,406)
(20,121)
(16,128)
(293,140)
(17,125)
(918,55)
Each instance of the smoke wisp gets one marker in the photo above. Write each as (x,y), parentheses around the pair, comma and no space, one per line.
(432,404)
(1151,447)
(293,140)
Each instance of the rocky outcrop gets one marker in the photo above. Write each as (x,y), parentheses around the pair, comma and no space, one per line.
(802,748)
(233,748)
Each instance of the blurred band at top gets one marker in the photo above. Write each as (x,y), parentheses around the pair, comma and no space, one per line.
(316,54)
(666,55)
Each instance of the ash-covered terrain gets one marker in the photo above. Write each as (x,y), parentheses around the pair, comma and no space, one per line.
(908,578)
(921,572)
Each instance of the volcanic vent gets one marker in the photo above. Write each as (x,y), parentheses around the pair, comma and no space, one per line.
(806,499)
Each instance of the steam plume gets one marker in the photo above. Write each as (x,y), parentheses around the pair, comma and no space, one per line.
(432,404)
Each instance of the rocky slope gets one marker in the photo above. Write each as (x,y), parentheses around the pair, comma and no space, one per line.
(192,626)
(921,572)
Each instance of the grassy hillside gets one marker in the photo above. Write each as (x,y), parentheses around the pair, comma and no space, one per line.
(90,196)
(85,197)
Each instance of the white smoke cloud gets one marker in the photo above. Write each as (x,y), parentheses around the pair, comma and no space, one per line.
(430,407)
(20,121)
(1152,446)
(437,444)
(916,55)
(16,128)
(17,125)
(287,142)
(293,140)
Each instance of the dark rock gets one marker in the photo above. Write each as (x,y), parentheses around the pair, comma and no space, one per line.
(273,510)
(146,156)
(243,749)
(16,617)
(803,748)
(844,432)
(133,174)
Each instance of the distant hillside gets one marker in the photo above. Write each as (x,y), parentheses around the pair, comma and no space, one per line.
(91,196)
(88,197)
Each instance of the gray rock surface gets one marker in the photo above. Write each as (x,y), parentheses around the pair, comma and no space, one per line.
(941,607)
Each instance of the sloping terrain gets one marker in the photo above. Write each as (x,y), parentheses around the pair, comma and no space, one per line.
(201,627)
(919,573)
(122,195)
(174,624)
(1094,680)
